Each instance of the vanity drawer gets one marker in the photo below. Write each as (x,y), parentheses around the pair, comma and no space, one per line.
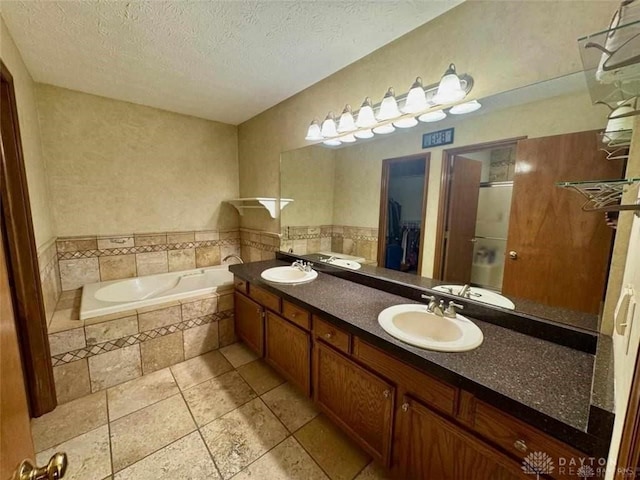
(240,285)
(520,439)
(297,315)
(426,388)
(332,335)
(265,298)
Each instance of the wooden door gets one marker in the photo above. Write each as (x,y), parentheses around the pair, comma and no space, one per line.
(15,432)
(561,253)
(360,402)
(249,322)
(461,219)
(288,350)
(429,447)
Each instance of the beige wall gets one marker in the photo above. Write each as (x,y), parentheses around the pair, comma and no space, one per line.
(359,167)
(307,176)
(535,41)
(43,224)
(115,167)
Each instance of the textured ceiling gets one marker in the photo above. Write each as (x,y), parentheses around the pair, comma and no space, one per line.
(221,60)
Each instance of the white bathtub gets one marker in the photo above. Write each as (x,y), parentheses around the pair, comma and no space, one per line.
(104,298)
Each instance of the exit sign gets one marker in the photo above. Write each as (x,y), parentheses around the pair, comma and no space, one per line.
(435,139)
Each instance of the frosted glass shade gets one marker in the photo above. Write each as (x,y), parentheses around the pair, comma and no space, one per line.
(333,142)
(450,89)
(329,126)
(314,133)
(406,122)
(416,100)
(366,118)
(466,107)
(364,134)
(346,122)
(349,138)
(389,107)
(384,129)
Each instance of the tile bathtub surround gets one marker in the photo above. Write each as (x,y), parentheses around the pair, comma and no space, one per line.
(98,353)
(146,429)
(357,241)
(49,277)
(83,260)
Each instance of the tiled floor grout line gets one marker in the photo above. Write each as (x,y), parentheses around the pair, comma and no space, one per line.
(198,428)
(307,451)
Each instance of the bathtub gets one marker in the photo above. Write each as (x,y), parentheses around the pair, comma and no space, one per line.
(104,298)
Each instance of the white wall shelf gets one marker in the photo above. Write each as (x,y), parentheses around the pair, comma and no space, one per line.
(268,203)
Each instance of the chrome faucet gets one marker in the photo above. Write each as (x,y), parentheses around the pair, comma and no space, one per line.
(450,312)
(433,306)
(465,291)
(233,255)
(302,265)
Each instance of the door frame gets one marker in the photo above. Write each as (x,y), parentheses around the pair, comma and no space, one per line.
(24,272)
(445,191)
(629,453)
(384,204)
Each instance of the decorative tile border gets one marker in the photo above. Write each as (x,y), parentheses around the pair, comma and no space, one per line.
(329,231)
(92,350)
(259,246)
(146,249)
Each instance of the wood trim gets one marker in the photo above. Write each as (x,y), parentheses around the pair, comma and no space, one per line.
(629,454)
(384,195)
(23,260)
(443,200)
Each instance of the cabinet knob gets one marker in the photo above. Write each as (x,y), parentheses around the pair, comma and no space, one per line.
(405,407)
(386,393)
(520,445)
(513,255)
(258,311)
(328,335)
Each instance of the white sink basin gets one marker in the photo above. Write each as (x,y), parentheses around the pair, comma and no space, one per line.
(287,274)
(415,325)
(340,262)
(479,294)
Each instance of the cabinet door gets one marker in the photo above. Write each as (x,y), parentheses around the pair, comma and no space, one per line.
(357,400)
(288,350)
(430,447)
(249,321)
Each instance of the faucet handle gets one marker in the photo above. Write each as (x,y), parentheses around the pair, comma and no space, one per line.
(450,312)
(431,298)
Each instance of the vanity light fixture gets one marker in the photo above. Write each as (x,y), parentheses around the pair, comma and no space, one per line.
(389,106)
(420,103)
(314,133)
(434,116)
(450,88)
(329,126)
(346,122)
(384,129)
(416,100)
(405,122)
(466,107)
(366,117)
(368,133)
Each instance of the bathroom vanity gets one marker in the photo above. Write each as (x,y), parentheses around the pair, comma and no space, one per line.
(424,414)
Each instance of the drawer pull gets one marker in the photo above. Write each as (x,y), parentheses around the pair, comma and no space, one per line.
(520,445)
(328,335)
(386,394)
(294,314)
(405,407)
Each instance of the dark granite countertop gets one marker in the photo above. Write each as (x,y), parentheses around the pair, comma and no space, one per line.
(539,381)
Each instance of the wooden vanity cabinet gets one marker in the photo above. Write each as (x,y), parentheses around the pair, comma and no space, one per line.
(430,447)
(357,400)
(288,350)
(249,322)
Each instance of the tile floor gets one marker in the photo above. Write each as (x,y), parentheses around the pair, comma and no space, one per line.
(222,415)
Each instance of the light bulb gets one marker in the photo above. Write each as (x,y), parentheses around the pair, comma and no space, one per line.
(329,126)
(416,100)
(384,129)
(364,134)
(405,122)
(366,118)
(314,133)
(389,106)
(466,107)
(332,142)
(349,138)
(434,116)
(449,90)
(346,122)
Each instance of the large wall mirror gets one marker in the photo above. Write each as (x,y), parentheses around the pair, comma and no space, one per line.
(483,212)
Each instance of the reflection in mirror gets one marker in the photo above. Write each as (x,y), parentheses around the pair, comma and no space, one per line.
(493,217)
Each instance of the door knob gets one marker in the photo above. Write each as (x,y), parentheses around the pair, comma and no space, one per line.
(54,470)
(513,255)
